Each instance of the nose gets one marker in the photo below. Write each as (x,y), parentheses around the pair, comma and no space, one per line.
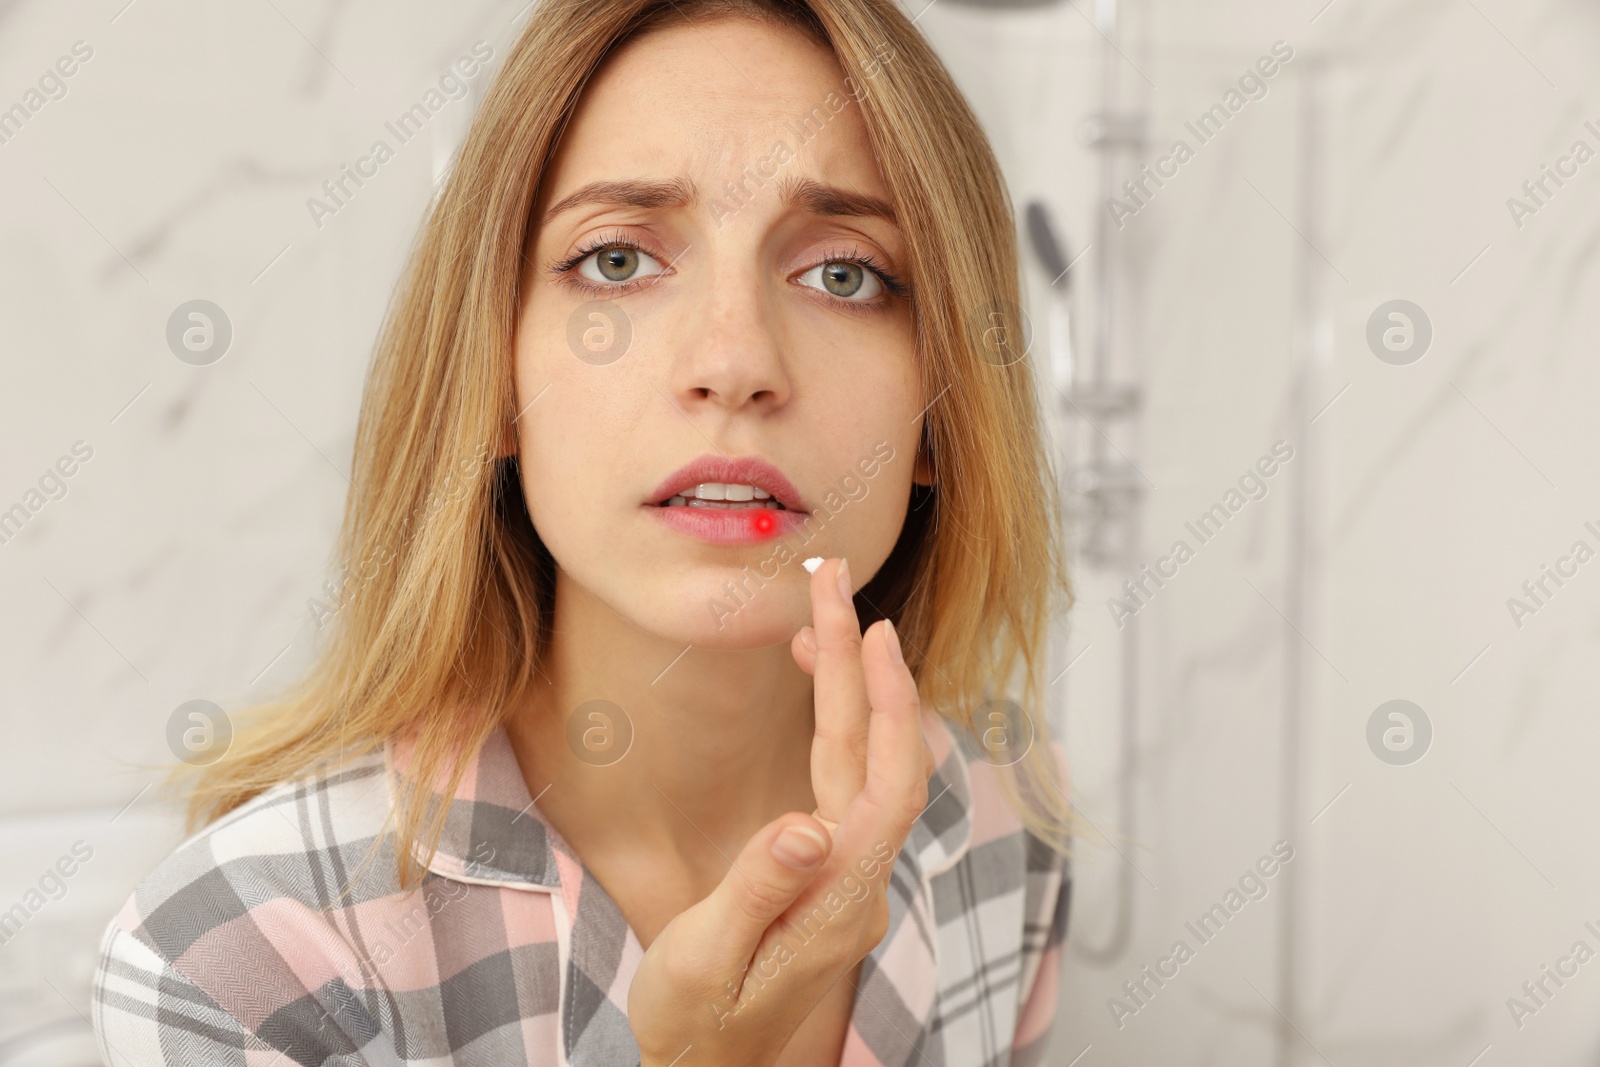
(732,356)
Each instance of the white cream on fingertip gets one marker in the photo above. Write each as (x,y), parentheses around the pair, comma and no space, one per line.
(812,564)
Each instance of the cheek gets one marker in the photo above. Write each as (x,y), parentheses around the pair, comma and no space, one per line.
(871,520)
(537,353)
(571,422)
(866,408)
(573,443)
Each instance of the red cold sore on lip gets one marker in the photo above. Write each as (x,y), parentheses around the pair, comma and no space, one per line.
(730,526)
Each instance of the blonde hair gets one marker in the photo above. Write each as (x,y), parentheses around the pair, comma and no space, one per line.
(448,593)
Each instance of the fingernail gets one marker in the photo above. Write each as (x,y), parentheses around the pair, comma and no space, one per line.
(844,581)
(799,847)
(808,637)
(891,639)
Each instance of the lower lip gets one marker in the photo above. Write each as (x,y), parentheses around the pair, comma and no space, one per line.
(730,526)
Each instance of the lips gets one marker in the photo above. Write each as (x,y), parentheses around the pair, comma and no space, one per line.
(721,519)
(749,470)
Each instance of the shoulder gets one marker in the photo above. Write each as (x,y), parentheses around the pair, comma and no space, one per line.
(982,860)
(1000,909)
(974,807)
(280,843)
(232,928)
(144,1011)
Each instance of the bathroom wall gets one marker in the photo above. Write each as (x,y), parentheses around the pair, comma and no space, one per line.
(1376,563)
(178,564)
(1382,563)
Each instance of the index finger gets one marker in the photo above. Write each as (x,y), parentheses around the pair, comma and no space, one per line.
(839,747)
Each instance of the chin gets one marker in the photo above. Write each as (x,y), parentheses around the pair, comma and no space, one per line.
(708,616)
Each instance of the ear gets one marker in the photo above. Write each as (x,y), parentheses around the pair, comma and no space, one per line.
(922,470)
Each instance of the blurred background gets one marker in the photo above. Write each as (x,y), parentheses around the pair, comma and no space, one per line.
(1339,346)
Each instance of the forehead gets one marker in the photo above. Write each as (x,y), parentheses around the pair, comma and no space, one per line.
(705,99)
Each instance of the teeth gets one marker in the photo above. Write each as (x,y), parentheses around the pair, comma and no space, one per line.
(725,491)
(724,495)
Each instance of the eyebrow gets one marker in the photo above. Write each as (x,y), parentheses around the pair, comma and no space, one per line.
(806,194)
(820,199)
(676,192)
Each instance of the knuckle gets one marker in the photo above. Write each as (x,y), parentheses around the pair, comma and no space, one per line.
(877,924)
(760,900)
(917,794)
(901,804)
(917,798)
(853,743)
(838,641)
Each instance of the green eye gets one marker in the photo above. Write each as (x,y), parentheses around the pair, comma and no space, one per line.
(617,264)
(614,264)
(844,279)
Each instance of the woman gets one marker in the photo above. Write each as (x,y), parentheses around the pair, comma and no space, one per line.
(714,297)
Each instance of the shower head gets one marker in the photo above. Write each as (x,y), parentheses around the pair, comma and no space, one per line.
(1051,254)
(1049,251)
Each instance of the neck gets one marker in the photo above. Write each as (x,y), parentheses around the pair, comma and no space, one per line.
(721,740)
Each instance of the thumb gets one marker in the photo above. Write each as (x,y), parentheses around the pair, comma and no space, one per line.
(774,868)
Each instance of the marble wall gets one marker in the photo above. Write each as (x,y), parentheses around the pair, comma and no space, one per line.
(1385,559)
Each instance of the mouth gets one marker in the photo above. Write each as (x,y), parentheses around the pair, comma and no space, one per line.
(723,482)
(728,501)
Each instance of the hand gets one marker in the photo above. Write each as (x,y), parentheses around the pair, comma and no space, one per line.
(732,977)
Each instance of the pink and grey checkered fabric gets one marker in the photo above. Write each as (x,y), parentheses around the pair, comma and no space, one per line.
(259,942)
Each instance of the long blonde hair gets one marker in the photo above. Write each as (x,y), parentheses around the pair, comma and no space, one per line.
(443,617)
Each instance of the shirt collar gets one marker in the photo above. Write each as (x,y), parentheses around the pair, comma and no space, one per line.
(493,834)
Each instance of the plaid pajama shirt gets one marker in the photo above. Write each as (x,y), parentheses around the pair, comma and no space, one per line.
(259,942)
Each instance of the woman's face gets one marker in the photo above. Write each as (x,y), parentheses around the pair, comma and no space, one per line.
(716,308)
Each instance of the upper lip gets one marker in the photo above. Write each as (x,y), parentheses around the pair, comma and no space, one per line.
(741,470)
